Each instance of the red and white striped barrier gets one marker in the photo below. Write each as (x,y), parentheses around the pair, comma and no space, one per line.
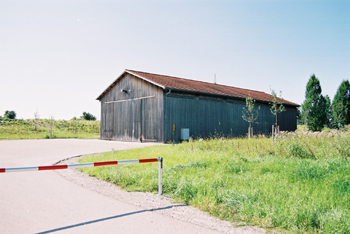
(94,164)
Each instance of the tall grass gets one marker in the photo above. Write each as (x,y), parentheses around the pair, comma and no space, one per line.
(300,184)
(47,128)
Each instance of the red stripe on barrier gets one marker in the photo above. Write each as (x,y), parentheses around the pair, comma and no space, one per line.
(148,160)
(97,164)
(54,167)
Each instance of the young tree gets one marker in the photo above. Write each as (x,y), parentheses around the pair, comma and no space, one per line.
(341,105)
(276,105)
(10,114)
(88,116)
(315,105)
(276,108)
(250,114)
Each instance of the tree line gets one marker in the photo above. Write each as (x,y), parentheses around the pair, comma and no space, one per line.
(318,111)
(12,115)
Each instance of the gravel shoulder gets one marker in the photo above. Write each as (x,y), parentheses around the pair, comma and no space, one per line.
(152,202)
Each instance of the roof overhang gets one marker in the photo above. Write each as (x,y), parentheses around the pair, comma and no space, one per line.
(223,96)
(126,71)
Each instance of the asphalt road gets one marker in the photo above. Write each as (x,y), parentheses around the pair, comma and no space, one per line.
(45,202)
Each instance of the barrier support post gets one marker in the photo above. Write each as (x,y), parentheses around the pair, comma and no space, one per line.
(160,160)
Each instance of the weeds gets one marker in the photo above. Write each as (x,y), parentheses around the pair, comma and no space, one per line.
(249,181)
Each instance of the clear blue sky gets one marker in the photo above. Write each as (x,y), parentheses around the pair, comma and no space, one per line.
(58,56)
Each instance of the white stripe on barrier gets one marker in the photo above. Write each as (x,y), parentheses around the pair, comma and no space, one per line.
(16,169)
(80,165)
(128,161)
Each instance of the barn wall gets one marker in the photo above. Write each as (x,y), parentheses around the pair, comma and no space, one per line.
(126,121)
(209,116)
(287,120)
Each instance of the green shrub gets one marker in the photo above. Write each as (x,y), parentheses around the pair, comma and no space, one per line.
(296,149)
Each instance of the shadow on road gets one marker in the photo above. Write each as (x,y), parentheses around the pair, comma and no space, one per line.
(108,218)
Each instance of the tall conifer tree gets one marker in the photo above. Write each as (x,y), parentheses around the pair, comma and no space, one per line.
(315,105)
(341,105)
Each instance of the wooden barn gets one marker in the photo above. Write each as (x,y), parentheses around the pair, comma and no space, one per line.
(140,106)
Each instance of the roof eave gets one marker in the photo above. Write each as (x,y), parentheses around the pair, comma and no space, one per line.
(222,95)
(110,86)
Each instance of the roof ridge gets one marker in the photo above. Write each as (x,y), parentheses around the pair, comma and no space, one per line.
(132,72)
(161,75)
(205,82)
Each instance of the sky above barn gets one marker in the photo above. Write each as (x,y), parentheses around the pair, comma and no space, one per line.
(57,57)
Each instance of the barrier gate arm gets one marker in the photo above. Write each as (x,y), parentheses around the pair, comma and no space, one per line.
(94,164)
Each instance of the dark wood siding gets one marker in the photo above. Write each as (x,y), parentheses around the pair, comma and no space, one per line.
(287,120)
(127,120)
(211,117)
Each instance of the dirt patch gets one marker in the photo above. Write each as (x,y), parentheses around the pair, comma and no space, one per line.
(148,201)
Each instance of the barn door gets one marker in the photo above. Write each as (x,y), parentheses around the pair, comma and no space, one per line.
(108,124)
(137,120)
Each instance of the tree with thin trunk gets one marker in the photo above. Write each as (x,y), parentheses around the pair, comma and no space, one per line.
(250,114)
(276,105)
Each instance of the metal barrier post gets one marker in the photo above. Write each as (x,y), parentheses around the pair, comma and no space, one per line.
(160,160)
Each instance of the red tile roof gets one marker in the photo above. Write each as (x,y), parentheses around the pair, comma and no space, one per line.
(170,82)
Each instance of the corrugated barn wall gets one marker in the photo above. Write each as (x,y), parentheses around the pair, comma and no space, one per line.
(212,117)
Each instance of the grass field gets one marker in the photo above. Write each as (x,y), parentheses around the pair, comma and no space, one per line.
(300,184)
(46,128)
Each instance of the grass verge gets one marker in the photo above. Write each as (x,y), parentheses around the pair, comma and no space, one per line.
(46,128)
(300,184)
